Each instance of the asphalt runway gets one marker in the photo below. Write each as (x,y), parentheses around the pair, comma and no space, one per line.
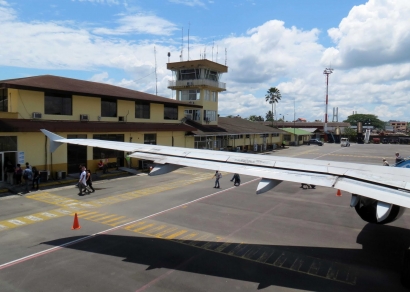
(175,232)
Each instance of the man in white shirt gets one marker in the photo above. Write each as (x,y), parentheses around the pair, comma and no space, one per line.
(82,182)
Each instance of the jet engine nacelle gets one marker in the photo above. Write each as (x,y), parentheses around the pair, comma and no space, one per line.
(373,211)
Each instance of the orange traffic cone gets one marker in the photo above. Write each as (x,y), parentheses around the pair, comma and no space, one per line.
(76,225)
(339,193)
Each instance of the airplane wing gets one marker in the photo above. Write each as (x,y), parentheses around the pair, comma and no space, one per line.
(385,184)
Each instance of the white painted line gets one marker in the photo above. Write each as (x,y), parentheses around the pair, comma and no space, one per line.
(44,252)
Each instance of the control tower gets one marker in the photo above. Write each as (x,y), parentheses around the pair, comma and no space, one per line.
(198,82)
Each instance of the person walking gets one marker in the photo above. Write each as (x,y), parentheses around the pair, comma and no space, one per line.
(236,179)
(82,182)
(36,178)
(27,176)
(18,173)
(10,172)
(217,177)
(89,180)
(385,163)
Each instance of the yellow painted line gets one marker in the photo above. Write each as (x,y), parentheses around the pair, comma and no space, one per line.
(223,246)
(188,236)
(172,236)
(134,225)
(169,230)
(157,228)
(105,217)
(86,214)
(112,220)
(94,216)
(143,227)
(29,219)
(120,222)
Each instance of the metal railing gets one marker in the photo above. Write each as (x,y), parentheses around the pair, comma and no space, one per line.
(196,82)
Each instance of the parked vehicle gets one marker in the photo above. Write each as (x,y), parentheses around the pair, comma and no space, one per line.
(315,141)
(344,142)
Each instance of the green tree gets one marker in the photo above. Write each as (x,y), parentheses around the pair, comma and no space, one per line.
(255,118)
(350,133)
(273,96)
(366,119)
(269,116)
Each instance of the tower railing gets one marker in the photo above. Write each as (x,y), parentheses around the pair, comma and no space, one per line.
(196,82)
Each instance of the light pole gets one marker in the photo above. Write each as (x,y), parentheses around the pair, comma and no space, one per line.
(294,120)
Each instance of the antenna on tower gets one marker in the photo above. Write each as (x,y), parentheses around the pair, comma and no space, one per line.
(213,43)
(188,39)
(217,53)
(181,57)
(205,53)
(156,79)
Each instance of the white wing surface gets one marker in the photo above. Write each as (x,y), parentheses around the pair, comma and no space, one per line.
(386,184)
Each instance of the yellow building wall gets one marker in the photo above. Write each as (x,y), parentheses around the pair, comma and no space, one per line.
(82,105)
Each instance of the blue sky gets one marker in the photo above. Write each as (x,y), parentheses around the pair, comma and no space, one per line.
(286,44)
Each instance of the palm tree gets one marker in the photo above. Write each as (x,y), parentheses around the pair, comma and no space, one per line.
(273,96)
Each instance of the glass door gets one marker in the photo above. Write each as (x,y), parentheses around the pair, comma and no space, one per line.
(2,167)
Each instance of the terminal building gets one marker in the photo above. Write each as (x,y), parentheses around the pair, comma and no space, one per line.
(75,108)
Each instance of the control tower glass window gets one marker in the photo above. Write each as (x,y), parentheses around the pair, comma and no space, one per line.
(194,115)
(211,75)
(190,94)
(209,116)
(189,74)
(206,95)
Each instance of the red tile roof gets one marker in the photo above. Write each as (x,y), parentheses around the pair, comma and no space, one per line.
(85,88)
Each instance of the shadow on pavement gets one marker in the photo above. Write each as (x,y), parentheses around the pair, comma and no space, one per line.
(376,267)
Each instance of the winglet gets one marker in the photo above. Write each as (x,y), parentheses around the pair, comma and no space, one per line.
(53,137)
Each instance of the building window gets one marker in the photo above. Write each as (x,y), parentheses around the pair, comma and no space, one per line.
(170,112)
(8,143)
(3,100)
(209,116)
(286,138)
(275,134)
(58,104)
(189,74)
(108,107)
(190,95)
(194,115)
(213,96)
(264,135)
(150,139)
(142,110)
(103,153)
(206,95)
(247,136)
(211,75)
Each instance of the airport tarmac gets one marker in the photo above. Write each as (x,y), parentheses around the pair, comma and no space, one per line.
(176,232)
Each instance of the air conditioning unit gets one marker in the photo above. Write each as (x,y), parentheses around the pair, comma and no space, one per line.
(121,119)
(192,102)
(36,115)
(188,116)
(83,117)
(190,83)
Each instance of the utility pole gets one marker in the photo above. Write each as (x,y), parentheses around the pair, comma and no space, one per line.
(327,72)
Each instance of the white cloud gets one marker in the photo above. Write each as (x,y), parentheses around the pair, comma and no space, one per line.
(139,24)
(269,55)
(115,2)
(189,2)
(373,34)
